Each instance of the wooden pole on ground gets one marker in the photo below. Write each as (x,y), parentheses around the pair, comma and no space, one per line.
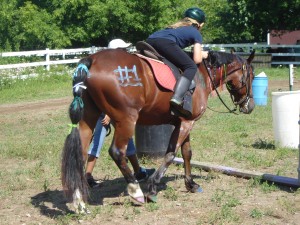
(292,182)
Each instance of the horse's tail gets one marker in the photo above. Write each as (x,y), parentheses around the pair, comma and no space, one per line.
(72,167)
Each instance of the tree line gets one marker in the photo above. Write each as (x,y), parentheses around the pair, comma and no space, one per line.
(40,24)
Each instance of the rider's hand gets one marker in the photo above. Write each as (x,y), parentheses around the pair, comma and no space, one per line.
(204,54)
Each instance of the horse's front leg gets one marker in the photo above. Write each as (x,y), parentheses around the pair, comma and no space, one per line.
(119,156)
(179,134)
(187,156)
(155,178)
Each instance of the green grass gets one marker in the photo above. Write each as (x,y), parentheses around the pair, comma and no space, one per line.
(279,73)
(54,84)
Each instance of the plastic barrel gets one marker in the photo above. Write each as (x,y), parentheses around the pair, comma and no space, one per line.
(260,90)
(152,141)
(299,150)
(285,113)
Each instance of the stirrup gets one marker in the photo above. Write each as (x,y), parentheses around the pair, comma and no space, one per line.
(175,102)
(178,110)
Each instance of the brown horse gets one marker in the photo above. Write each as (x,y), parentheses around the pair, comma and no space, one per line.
(123,86)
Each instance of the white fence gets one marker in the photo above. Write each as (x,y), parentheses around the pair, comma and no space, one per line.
(75,54)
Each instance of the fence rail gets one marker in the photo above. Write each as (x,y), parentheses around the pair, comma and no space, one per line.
(47,54)
(262,57)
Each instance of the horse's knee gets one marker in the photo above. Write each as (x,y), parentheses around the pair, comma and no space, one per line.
(115,154)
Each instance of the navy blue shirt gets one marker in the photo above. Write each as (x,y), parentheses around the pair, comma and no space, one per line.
(182,36)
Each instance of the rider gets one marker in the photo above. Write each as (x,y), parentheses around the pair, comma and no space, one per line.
(170,41)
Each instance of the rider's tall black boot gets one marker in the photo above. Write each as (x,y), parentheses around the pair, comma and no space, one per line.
(176,101)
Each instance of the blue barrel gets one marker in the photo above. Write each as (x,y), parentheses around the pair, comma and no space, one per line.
(152,141)
(260,90)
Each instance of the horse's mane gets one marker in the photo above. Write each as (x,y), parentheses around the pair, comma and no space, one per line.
(218,59)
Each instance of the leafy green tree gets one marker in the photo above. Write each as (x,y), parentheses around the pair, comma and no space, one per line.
(36,24)
(251,20)
(36,29)
(7,15)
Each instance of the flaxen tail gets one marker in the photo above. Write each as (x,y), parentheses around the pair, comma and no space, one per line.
(72,167)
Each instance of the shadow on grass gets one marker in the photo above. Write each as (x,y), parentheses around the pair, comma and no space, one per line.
(117,187)
(53,204)
(261,144)
(56,199)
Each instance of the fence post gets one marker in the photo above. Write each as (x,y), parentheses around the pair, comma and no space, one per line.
(93,49)
(47,59)
(291,66)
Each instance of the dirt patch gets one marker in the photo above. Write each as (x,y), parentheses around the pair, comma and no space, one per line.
(37,105)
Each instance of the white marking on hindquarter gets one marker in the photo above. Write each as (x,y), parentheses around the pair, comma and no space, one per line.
(125,79)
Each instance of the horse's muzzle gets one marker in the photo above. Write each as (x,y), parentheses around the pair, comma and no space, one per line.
(248,106)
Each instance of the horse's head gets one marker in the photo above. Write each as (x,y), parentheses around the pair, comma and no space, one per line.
(238,75)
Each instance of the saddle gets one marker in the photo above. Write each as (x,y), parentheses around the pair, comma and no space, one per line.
(147,50)
(143,48)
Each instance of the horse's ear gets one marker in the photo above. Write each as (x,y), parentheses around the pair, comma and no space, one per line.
(251,57)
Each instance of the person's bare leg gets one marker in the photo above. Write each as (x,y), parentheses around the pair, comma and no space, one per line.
(91,162)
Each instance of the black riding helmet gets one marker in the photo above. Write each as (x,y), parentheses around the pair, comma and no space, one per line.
(196,14)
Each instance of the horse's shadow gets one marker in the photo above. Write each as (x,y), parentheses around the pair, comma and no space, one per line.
(117,187)
(56,198)
(53,204)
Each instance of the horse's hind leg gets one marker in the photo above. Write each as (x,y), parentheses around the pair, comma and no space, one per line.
(123,132)
(187,155)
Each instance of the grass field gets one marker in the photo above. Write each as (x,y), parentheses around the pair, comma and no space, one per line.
(31,140)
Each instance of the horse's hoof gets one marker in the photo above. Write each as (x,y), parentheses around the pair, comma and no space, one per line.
(82,210)
(139,200)
(199,190)
(151,198)
(195,189)
(136,193)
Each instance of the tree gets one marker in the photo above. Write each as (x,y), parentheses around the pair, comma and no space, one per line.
(251,20)
(36,29)
(7,14)
(36,24)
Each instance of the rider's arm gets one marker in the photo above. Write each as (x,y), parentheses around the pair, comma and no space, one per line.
(199,54)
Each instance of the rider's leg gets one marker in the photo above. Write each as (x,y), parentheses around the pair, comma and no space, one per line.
(178,57)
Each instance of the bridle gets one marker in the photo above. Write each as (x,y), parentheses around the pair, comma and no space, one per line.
(245,78)
(245,69)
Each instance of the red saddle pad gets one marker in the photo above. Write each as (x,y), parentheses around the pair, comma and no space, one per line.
(162,73)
